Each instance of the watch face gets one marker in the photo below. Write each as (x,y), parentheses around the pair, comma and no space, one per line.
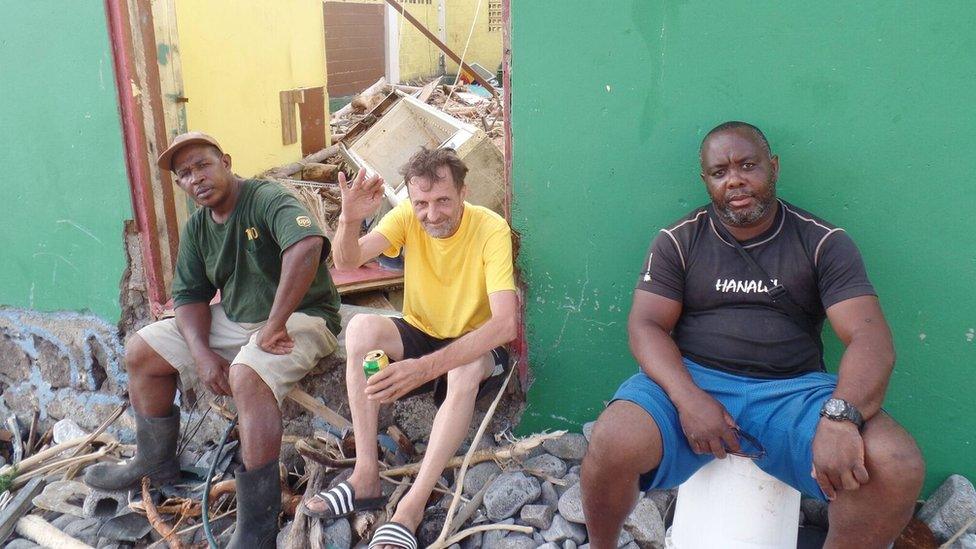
(834,407)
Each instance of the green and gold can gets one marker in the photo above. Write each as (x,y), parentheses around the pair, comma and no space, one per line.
(374,361)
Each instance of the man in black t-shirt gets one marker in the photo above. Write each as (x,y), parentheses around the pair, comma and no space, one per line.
(729,364)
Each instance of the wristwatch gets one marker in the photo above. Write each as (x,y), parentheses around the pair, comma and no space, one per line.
(837,409)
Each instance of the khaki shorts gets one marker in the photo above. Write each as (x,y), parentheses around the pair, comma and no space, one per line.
(237,343)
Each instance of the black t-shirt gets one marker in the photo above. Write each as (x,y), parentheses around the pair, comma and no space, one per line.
(728,321)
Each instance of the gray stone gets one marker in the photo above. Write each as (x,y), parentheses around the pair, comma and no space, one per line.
(65,430)
(547,464)
(646,525)
(625,538)
(550,545)
(664,499)
(571,505)
(569,544)
(479,475)
(21,543)
(84,530)
(493,537)
(538,516)
(950,507)
(631,545)
(508,493)
(63,520)
(562,530)
(549,494)
(539,540)
(455,546)
(338,535)
(814,512)
(515,541)
(575,470)
(588,430)
(967,541)
(570,480)
(569,446)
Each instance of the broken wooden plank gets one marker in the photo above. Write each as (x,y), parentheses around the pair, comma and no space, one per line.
(16,442)
(443,47)
(313,405)
(368,277)
(18,507)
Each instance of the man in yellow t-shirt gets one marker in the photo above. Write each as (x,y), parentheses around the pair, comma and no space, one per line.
(459,309)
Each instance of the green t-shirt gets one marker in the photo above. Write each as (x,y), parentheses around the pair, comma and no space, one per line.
(242,257)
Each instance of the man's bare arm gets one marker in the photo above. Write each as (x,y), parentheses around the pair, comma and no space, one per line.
(193,321)
(499,330)
(299,265)
(865,368)
(869,357)
(704,420)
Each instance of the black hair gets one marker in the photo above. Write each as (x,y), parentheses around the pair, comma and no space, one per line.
(735,125)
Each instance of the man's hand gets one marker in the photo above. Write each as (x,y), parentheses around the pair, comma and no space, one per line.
(274,339)
(360,198)
(398,379)
(707,425)
(213,371)
(838,457)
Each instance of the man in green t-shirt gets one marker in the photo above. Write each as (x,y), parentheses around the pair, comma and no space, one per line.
(254,345)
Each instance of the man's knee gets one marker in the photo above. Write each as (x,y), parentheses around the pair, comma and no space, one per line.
(624,438)
(365,332)
(245,382)
(142,359)
(463,381)
(895,461)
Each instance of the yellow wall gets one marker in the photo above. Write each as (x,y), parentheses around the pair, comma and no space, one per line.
(485,47)
(419,57)
(237,56)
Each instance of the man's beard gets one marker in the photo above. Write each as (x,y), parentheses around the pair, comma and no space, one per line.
(742,218)
(442,230)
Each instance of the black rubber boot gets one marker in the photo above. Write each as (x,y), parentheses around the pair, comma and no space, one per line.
(156,440)
(258,507)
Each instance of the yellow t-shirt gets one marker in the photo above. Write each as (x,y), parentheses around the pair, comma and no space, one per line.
(447,280)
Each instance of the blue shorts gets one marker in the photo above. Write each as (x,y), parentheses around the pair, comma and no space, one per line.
(782,414)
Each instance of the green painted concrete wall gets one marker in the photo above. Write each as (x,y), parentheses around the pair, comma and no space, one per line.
(63,188)
(872,109)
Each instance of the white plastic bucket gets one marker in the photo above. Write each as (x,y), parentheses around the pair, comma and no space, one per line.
(731,503)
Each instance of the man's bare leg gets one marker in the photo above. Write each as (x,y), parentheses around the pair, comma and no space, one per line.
(625,444)
(876,513)
(364,333)
(451,424)
(152,380)
(258,415)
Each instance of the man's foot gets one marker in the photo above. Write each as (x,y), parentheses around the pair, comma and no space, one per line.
(344,499)
(399,531)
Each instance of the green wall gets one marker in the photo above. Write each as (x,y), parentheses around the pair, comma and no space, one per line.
(872,109)
(63,189)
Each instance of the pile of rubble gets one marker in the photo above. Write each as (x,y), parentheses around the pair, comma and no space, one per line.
(505,493)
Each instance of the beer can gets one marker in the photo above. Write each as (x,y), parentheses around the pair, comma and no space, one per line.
(374,361)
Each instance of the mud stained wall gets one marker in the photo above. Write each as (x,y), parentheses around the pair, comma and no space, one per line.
(63,188)
(871,107)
